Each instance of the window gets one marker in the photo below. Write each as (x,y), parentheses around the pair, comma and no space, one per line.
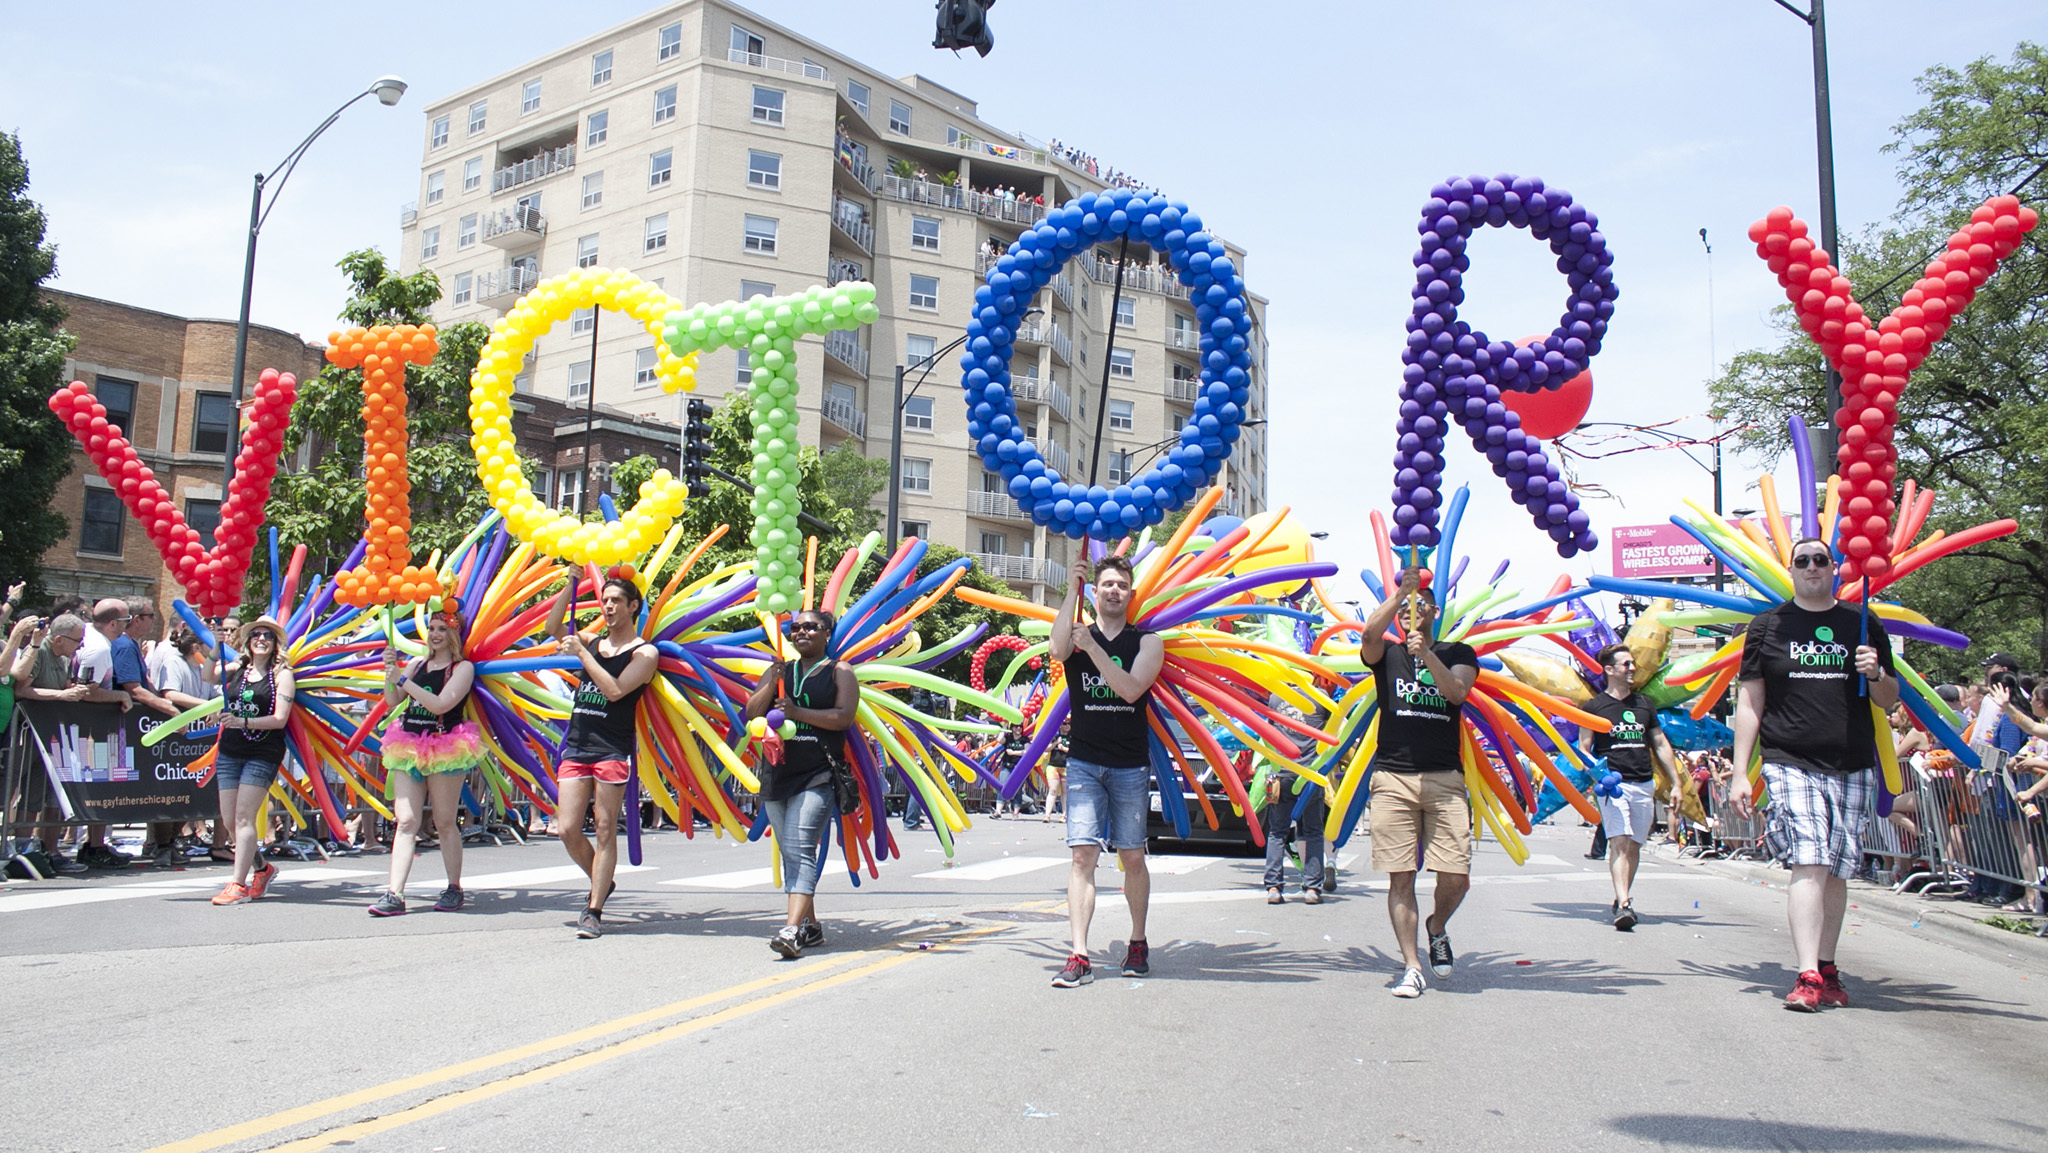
(1084,298)
(917,350)
(211,419)
(1120,415)
(601,68)
(1127,312)
(582,321)
(916,528)
(659,167)
(857,94)
(593,190)
(761,235)
(1081,342)
(764,169)
(744,374)
(465,285)
(465,232)
(749,289)
(952,134)
(917,413)
(665,104)
(570,495)
(748,44)
(600,127)
(1119,467)
(119,398)
(643,367)
(473,174)
(430,242)
(671,41)
(100,530)
(899,118)
(438,137)
(657,233)
(529,97)
(994,543)
(436,184)
(586,251)
(924,233)
(1122,362)
(476,116)
(767,105)
(579,379)
(924,292)
(1184,372)
(917,475)
(204,517)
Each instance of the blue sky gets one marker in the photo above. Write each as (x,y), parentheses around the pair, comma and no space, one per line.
(1309,133)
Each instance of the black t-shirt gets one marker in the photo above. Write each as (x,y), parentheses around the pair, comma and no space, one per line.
(599,729)
(1812,716)
(1418,724)
(1627,746)
(808,756)
(420,720)
(1107,729)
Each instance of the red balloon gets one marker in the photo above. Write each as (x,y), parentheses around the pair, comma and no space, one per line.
(1549,414)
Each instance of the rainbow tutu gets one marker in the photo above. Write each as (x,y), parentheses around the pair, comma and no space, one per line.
(458,750)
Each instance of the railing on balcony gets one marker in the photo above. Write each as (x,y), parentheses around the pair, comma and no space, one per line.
(506,284)
(803,68)
(1045,392)
(843,346)
(1184,339)
(850,219)
(837,270)
(1159,278)
(996,506)
(841,412)
(914,191)
(979,147)
(1063,287)
(1022,569)
(534,168)
(853,157)
(1048,332)
(515,227)
(408,213)
(1185,389)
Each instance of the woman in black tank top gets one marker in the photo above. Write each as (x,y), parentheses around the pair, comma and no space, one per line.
(256,705)
(820,696)
(429,750)
(597,753)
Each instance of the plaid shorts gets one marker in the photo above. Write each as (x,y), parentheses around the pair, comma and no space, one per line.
(1817,818)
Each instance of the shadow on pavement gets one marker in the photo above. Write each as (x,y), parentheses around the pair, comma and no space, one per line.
(1877,994)
(1704,1132)
(1601,914)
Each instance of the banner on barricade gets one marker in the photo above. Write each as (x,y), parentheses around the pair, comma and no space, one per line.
(94,752)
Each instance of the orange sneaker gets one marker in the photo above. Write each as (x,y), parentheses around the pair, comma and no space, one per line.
(259,881)
(232,894)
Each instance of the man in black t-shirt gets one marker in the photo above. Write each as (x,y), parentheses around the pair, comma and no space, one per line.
(1633,748)
(1419,805)
(1805,665)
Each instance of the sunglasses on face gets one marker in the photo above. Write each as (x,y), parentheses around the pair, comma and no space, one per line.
(1810,560)
(805,626)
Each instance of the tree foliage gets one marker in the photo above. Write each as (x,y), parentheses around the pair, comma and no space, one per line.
(35,450)
(1973,423)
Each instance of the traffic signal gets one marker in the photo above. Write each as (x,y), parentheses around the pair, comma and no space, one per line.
(697,449)
(964,24)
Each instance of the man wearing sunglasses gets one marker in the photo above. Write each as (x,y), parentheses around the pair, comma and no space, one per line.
(1805,665)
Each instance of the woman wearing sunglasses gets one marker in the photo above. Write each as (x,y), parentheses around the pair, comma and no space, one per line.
(821,696)
(428,752)
(254,713)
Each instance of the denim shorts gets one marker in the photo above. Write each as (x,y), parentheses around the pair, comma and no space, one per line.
(1106,806)
(231,772)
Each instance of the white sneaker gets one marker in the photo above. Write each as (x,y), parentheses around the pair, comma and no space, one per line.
(1411,984)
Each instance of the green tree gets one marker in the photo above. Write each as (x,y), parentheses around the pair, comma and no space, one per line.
(1973,423)
(322,507)
(35,449)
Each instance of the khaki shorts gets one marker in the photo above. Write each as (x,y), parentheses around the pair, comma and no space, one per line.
(1413,810)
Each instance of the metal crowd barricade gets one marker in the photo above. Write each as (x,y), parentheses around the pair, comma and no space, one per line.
(1985,832)
(1734,835)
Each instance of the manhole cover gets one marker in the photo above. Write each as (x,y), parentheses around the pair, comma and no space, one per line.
(1018,916)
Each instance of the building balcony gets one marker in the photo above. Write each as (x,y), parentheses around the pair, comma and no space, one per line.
(1184,340)
(853,159)
(995,506)
(1040,331)
(537,167)
(408,213)
(501,288)
(1157,278)
(515,228)
(803,68)
(1051,451)
(1022,569)
(837,270)
(913,191)
(975,146)
(841,412)
(1184,389)
(843,346)
(1046,392)
(852,222)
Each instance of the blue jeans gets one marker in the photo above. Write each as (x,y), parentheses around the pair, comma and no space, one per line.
(799,825)
(231,772)
(1278,821)
(1106,804)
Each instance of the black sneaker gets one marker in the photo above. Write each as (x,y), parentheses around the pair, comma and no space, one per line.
(64,866)
(1625,918)
(102,857)
(388,905)
(1078,972)
(1440,958)
(451,900)
(788,941)
(1137,960)
(810,934)
(590,925)
(169,857)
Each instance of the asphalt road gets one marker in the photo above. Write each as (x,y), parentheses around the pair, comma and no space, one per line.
(141,1017)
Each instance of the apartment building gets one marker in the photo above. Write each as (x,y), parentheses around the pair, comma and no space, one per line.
(720,156)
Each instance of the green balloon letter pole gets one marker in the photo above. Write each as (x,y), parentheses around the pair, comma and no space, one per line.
(767,330)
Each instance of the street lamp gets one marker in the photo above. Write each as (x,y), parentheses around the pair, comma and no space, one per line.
(1673,440)
(387,90)
(895,531)
(1824,142)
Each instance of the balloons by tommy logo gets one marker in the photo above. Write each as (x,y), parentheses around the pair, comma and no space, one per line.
(1450,372)
(213,578)
(768,328)
(387,575)
(1875,360)
(1217,292)
(556,534)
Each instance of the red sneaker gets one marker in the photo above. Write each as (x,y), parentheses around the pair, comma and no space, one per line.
(231,894)
(1805,996)
(1832,995)
(259,881)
